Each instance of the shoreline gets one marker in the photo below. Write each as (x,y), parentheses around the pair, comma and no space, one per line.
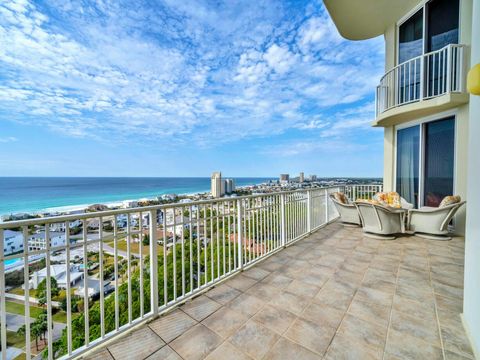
(66,209)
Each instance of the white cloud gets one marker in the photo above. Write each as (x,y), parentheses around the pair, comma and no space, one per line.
(8,139)
(279,58)
(199,73)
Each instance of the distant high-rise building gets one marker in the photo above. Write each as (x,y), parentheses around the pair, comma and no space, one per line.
(313,177)
(229,186)
(217,186)
(284,178)
(301,178)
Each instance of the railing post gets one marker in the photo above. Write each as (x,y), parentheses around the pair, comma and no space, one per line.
(282,222)
(462,67)
(449,68)
(422,77)
(154,262)
(3,317)
(239,233)
(309,211)
(326,206)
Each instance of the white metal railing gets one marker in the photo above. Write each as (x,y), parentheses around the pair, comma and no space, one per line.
(354,192)
(195,245)
(423,77)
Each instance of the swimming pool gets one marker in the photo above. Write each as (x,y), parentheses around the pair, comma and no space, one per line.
(10,262)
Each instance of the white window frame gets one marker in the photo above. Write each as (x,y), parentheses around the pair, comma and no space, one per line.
(422,5)
(421,170)
(413,11)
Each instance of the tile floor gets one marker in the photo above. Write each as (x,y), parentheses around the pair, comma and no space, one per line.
(333,295)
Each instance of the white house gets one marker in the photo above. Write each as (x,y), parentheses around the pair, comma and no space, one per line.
(59,273)
(129,204)
(13,242)
(60,227)
(167,197)
(93,287)
(37,241)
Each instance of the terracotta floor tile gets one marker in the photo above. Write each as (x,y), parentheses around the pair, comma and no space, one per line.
(285,349)
(254,339)
(200,307)
(137,345)
(225,321)
(172,325)
(196,343)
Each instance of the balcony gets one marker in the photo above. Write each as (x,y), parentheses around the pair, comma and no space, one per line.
(422,86)
(267,276)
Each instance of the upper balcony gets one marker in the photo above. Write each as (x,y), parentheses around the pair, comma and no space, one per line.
(423,85)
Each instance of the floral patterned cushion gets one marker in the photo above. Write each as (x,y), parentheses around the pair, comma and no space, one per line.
(369,201)
(391,199)
(340,197)
(449,200)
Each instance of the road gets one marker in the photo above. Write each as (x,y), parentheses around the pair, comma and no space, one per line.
(14,322)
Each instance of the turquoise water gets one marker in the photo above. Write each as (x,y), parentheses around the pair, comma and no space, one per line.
(11,261)
(31,194)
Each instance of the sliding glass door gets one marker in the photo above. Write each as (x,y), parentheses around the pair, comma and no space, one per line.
(408,150)
(425,162)
(439,160)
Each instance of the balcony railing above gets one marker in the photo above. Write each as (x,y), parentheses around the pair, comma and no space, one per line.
(424,77)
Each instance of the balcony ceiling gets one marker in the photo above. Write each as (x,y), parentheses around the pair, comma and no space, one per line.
(359,20)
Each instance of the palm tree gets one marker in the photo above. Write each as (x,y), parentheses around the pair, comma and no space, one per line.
(35,331)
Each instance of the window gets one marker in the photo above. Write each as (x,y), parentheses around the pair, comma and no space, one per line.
(410,41)
(421,34)
(425,162)
(442,20)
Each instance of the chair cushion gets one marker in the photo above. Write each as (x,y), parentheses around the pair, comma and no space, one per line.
(340,197)
(449,200)
(368,201)
(391,199)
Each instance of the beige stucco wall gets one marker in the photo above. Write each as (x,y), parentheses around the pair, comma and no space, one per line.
(388,158)
(461,149)
(461,161)
(390,47)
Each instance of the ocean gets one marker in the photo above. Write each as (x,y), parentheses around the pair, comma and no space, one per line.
(35,194)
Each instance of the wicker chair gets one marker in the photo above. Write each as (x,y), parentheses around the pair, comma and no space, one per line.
(348,212)
(381,222)
(432,222)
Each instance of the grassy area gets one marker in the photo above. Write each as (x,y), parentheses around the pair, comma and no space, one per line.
(61,317)
(15,340)
(19,309)
(21,292)
(22,356)
(135,248)
(33,293)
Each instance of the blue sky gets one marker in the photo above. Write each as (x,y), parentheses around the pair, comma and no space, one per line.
(183,88)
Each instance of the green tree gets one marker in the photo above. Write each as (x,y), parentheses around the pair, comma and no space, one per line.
(146,240)
(42,290)
(74,300)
